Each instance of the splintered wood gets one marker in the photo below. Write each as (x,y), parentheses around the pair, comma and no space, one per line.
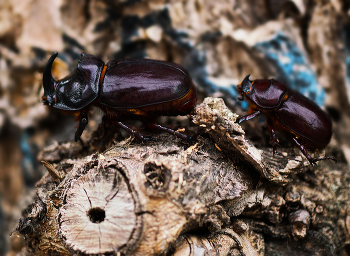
(98,212)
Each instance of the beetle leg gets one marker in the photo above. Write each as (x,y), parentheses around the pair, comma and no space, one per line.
(247,117)
(133,131)
(274,141)
(311,160)
(305,153)
(83,121)
(326,158)
(170,131)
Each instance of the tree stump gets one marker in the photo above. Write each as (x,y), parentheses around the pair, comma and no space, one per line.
(149,198)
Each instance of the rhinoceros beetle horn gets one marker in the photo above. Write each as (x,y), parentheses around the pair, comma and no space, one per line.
(246,83)
(244,87)
(49,82)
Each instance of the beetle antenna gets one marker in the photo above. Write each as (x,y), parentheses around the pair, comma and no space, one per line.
(246,83)
(48,80)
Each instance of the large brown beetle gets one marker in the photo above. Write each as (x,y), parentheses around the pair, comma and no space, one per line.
(141,88)
(300,119)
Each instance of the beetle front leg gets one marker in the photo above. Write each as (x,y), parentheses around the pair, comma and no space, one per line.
(311,160)
(83,121)
(247,117)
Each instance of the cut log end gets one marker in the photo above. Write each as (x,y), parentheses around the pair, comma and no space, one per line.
(98,213)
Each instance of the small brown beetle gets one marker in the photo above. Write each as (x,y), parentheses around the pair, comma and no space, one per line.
(300,119)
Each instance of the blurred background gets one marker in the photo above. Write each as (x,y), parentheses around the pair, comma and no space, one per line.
(303,43)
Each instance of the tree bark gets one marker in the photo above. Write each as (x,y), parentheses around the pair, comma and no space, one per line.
(149,198)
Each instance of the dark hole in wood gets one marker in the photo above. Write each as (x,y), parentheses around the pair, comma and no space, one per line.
(158,177)
(96,215)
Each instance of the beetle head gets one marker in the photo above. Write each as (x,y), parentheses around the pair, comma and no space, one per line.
(49,83)
(78,89)
(244,87)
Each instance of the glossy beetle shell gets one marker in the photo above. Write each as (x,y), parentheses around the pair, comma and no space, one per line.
(81,87)
(134,84)
(267,93)
(306,119)
(300,119)
(143,87)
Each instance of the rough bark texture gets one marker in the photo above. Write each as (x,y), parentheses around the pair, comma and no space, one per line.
(152,198)
(223,194)
(148,193)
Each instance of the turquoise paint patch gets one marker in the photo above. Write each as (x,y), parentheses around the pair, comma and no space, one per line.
(292,66)
(347,54)
(347,63)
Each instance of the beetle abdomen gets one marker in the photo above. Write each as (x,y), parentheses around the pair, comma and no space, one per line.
(135,84)
(306,119)
(181,106)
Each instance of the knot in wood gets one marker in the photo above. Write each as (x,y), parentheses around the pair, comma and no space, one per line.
(158,176)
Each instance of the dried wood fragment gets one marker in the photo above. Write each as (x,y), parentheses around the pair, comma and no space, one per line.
(224,242)
(52,171)
(216,119)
